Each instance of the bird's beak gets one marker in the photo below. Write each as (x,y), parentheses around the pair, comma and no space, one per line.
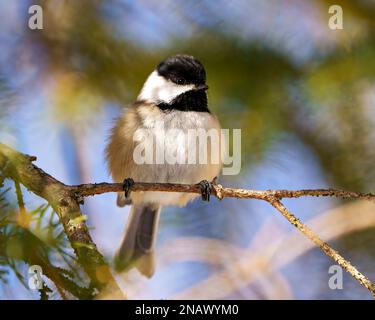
(201,87)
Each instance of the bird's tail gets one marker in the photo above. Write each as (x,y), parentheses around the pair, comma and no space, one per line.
(137,245)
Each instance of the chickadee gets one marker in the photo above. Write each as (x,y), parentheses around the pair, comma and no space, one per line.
(175,95)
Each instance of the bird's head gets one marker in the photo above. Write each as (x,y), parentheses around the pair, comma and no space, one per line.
(172,77)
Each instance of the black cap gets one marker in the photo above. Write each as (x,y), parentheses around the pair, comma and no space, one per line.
(182,69)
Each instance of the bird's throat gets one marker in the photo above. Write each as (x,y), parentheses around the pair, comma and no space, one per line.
(193,100)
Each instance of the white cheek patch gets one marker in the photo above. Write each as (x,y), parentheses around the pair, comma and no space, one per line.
(158,89)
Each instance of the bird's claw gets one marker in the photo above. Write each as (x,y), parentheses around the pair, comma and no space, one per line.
(127,184)
(206,188)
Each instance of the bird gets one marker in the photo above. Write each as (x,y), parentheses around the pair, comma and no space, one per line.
(173,100)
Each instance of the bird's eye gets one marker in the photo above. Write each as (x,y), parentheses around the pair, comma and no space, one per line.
(180,81)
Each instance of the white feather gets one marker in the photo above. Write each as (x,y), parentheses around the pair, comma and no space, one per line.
(158,89)
(176,141)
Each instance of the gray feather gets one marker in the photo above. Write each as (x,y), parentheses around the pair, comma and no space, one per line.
(137,246)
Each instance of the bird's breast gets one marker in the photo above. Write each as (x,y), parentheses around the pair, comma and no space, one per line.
(179,146)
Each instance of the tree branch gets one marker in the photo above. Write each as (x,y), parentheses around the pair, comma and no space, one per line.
(271,196)
(19,167)
(219,191)
(64,200)
(323,245)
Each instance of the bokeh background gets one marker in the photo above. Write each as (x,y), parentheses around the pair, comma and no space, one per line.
(302,94)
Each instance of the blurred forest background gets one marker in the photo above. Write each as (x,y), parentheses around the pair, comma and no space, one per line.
(302,94)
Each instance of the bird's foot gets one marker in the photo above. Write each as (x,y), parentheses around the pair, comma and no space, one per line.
(127,184)
(206,188)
